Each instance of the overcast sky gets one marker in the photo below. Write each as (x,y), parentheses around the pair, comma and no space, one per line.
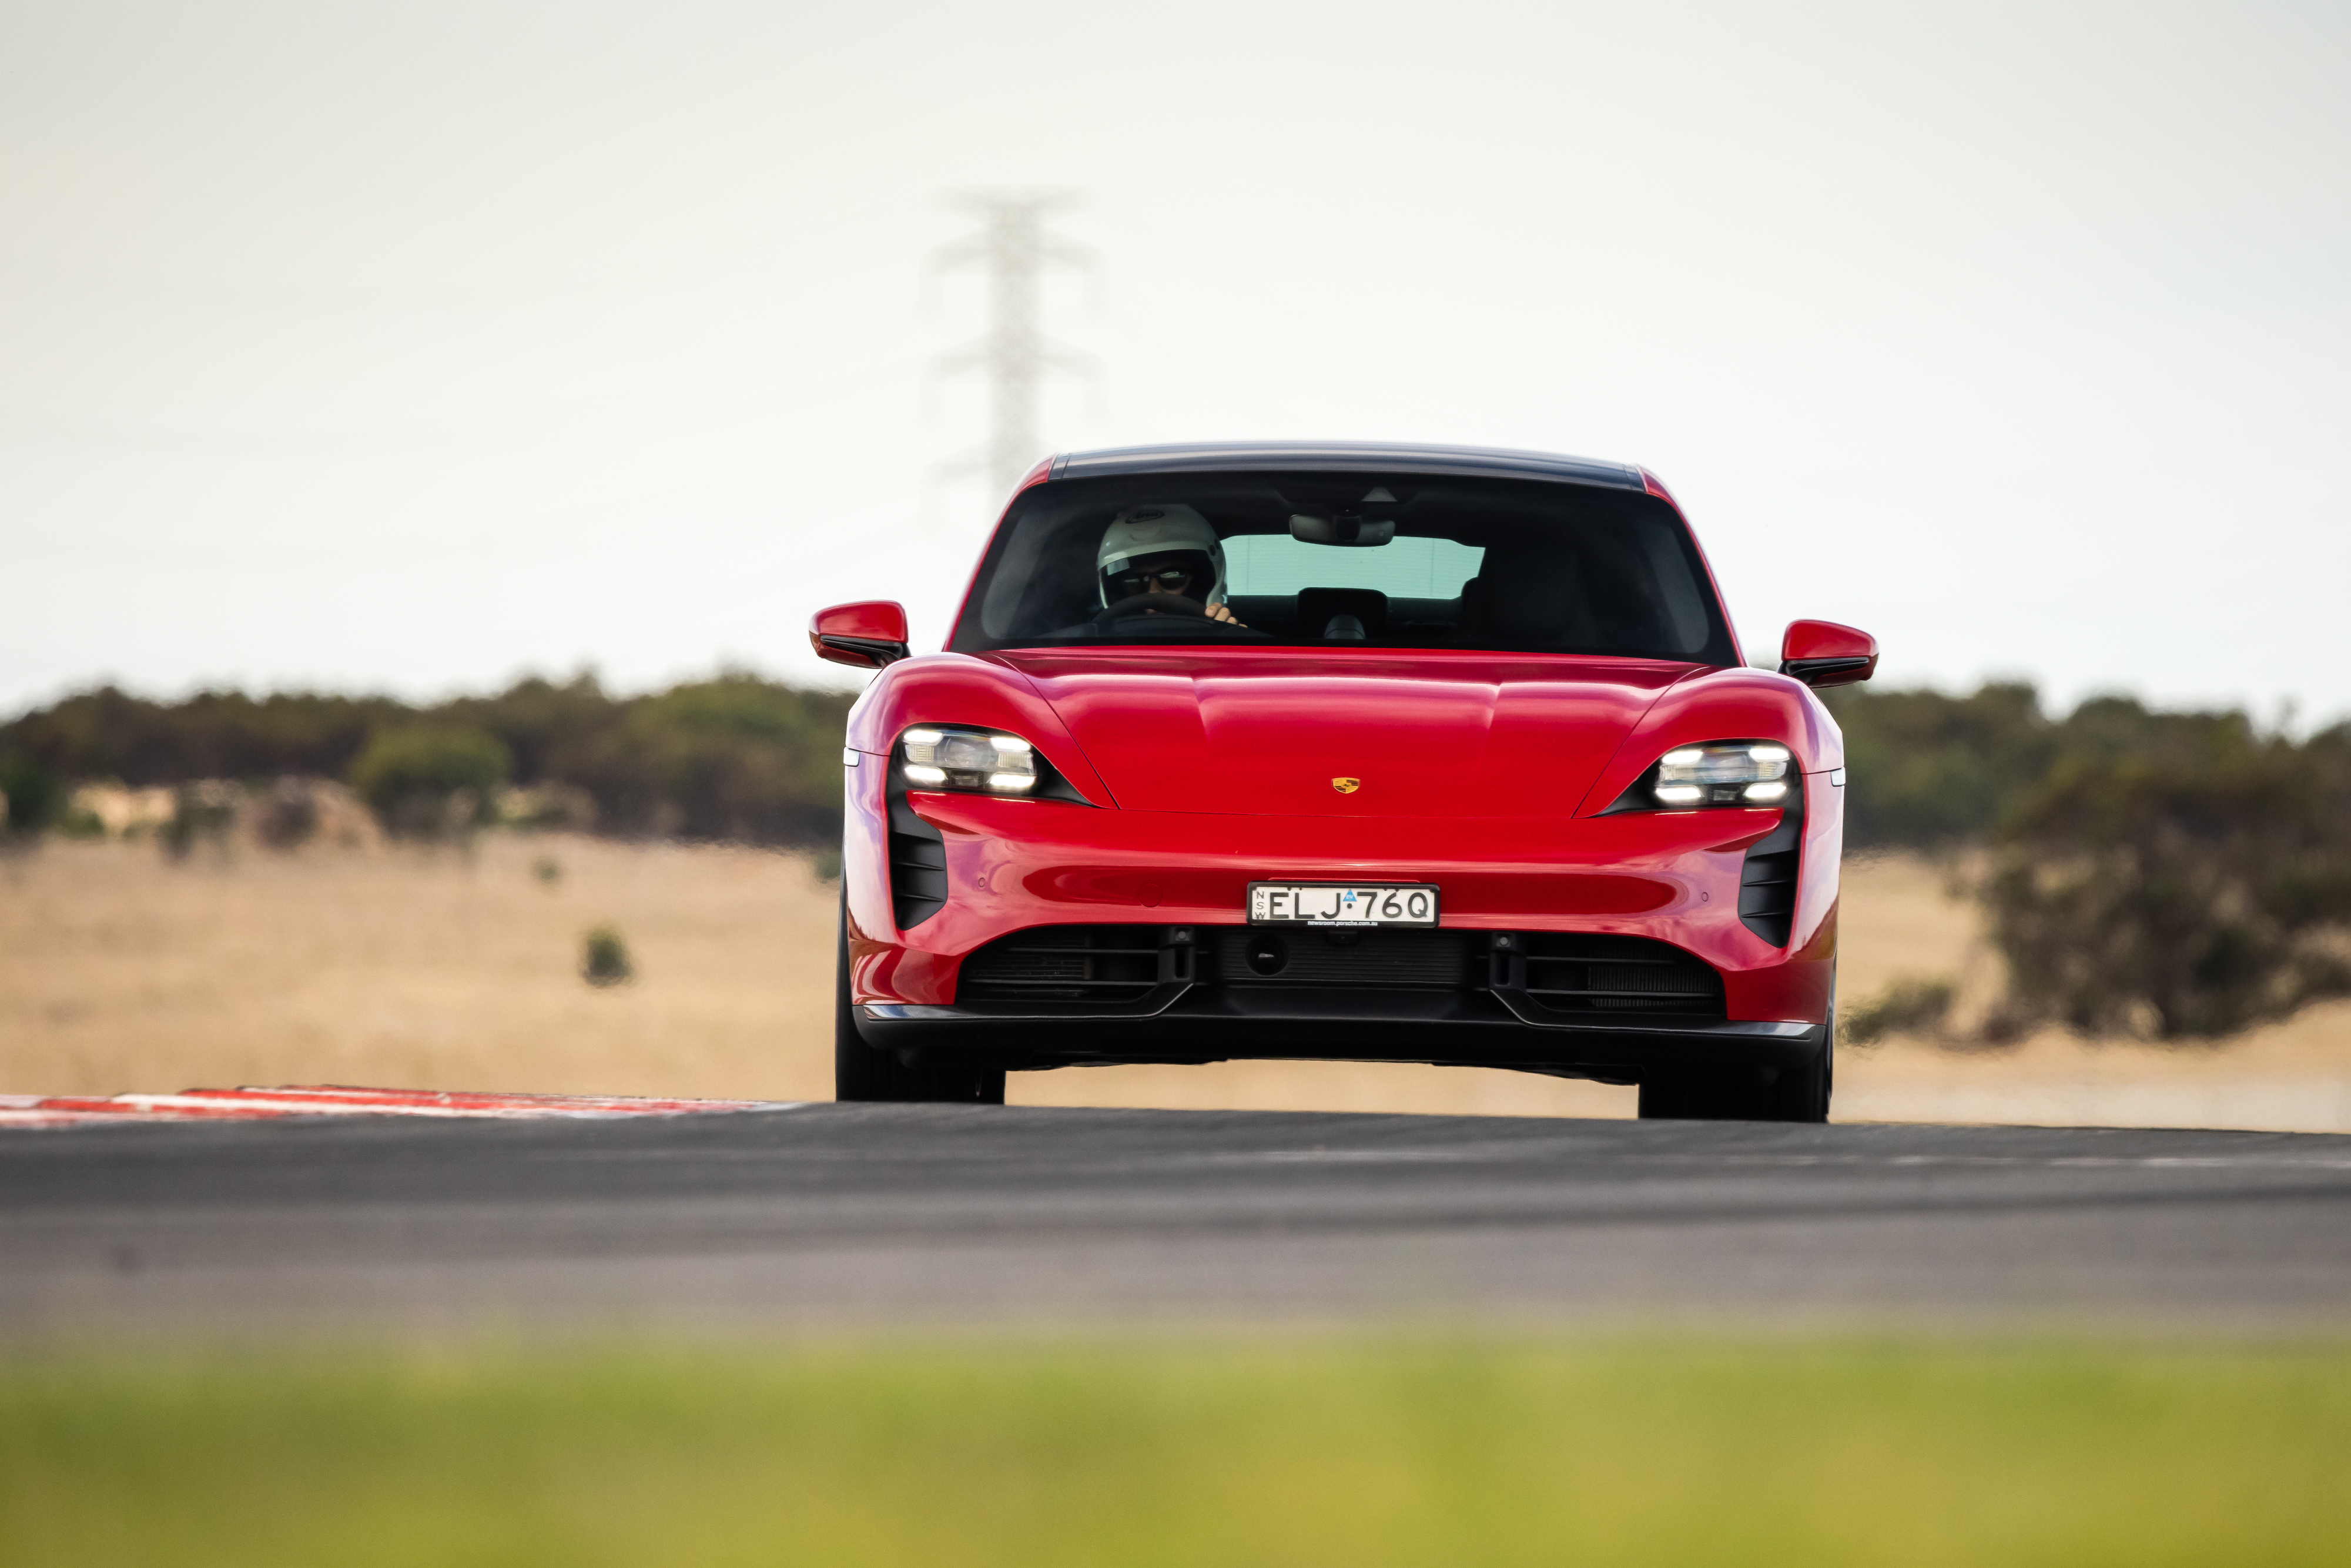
(415,346)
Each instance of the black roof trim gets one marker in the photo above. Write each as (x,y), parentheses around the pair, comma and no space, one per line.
(1372,457)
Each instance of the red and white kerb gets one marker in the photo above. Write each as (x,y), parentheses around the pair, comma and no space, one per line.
(330,1100)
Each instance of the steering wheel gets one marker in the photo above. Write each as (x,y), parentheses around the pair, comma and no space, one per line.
(1142,604)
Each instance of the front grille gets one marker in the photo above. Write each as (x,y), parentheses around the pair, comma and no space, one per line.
(1574,972)
(1073,963)
(1556,972)
(1288,955)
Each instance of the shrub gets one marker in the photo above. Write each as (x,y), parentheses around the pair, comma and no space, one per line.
(202,810)
(81,822)
(604,957)
(1909,1006)
(287,817)
(2187,885)
(428,781)
(32,798)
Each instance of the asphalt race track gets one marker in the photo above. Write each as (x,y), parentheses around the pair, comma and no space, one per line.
(846,1216)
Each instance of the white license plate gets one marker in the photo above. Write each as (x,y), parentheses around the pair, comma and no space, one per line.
(1342,903)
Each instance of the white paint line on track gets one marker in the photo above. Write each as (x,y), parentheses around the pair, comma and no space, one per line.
(336,1100)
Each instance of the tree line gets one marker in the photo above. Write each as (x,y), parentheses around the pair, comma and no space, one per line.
(734,757)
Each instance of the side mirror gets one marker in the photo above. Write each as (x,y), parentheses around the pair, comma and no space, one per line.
(1823,653)
(868,635)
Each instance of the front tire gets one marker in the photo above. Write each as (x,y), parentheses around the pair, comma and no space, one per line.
(1800,1093)
(863,1072)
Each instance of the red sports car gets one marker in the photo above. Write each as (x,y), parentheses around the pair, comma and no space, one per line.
(1349,751)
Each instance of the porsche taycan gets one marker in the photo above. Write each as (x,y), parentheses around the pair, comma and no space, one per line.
(1342,751)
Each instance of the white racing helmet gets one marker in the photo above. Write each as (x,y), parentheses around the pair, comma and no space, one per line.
(1158,529)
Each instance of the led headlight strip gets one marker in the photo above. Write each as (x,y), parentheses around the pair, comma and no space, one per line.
(1718,773)
(986,761)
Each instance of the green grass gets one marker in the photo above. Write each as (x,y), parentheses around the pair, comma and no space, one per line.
(1290,1453)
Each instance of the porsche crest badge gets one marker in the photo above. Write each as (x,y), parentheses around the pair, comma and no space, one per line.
(1346,786)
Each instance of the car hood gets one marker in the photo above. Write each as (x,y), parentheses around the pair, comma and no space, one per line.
(1277,732)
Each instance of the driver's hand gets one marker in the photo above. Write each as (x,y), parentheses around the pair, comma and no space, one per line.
(1219,613)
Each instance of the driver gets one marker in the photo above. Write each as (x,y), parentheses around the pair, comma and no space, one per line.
(1167,549)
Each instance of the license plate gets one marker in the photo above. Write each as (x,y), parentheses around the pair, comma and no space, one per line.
(1342,903)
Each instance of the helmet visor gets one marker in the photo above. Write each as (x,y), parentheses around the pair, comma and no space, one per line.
(1188,573)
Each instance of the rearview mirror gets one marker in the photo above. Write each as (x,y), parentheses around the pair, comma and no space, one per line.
(868,634)
(1344,528)
(1823,653)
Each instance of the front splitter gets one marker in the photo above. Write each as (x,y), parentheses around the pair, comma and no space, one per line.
(1203,1024)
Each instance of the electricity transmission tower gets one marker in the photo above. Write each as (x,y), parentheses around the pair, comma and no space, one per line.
(1013,248)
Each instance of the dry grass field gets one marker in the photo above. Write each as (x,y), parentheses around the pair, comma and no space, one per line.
(120,970)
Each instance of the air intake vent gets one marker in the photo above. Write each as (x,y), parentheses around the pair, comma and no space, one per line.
(918,867)
(1574,972)
(1767,881)
(1074,962)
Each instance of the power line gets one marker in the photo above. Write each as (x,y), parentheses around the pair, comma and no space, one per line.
(1013,248)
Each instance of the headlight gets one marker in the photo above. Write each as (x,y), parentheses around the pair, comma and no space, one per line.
(1721,773)
(937,758)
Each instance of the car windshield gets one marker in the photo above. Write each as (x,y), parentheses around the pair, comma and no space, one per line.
(1381,560)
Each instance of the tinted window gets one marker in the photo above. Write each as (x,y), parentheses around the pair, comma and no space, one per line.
(1337,559)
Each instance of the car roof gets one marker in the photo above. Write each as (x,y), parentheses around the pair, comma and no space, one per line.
(1373,456)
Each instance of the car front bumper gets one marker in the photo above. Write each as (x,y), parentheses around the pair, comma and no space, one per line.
(1013,865)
